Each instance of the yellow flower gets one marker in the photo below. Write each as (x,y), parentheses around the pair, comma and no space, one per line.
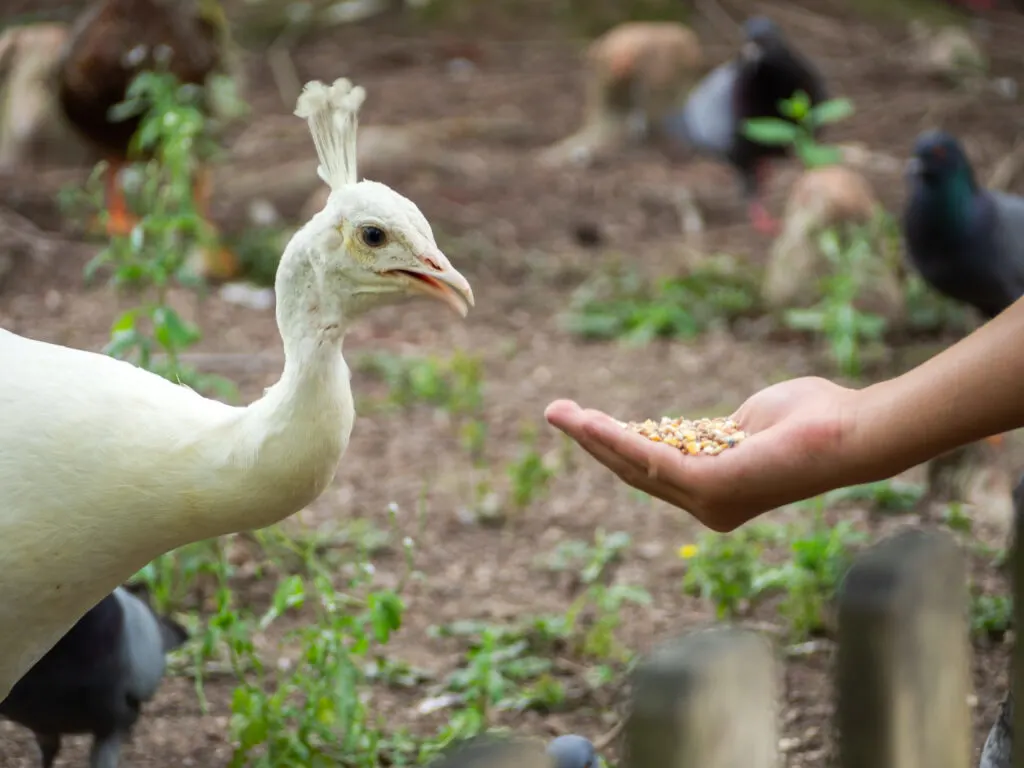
(687,551)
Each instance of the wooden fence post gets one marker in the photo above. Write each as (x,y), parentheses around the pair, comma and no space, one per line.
(903,660)
(706,700)
(1017,655)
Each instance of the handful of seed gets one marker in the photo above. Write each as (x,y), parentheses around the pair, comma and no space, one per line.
(708,437)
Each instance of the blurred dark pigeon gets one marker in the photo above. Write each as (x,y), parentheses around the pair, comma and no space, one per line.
(490,750)
(965,241)
(96,678)
(572,751)
(766,72)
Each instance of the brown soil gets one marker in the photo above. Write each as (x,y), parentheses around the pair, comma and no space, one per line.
(509,227)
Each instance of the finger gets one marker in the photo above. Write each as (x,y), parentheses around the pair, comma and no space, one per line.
(562,413)
(624,466)
(612,461)
(636,476)
(643,468)
(661,461)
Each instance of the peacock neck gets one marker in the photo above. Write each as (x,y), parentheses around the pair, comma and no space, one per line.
(286,446)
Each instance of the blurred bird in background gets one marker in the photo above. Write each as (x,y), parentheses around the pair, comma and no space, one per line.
(96,678)
(766,71)
(490,750)
(110,43)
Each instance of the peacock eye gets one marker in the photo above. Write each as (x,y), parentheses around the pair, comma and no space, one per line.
(374,237)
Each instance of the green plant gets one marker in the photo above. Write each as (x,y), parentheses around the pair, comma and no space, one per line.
(503,671)
(623,305)
(313,714)
(529,475)
(454,384)
(883,495)
(836,316)
(153,258)
(724,569)
(929,310)
(602,606)
(956,518)
(808,580)
(591,560)
(799,134)
(597,610)
(333,621)
(991,615)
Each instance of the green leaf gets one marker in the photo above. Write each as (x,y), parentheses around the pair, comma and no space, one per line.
(171,331)
(831,111)
(96,262)
(126,322)
(816,156)
(385,614)
(771,131)
(125,110)
(805,320)
(796,107)
(122,342)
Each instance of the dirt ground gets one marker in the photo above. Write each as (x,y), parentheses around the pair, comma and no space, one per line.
(510,228)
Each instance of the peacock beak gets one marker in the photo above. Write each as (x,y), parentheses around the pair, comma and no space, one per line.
(437,278)
(913,168)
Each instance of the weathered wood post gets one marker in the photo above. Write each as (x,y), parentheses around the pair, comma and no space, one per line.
(705,700)
(1017,657)
(903,660)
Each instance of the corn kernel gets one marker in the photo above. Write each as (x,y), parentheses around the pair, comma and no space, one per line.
(704,437)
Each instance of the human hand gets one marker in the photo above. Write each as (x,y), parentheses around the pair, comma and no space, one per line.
(798,445)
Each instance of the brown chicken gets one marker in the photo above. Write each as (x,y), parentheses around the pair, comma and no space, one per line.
(110,43)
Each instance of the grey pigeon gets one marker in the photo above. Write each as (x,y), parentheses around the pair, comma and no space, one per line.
(96,678)
(997,750)
(767,71)
(967,242)
(491,750)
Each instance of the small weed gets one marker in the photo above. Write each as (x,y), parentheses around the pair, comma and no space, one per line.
(595,614)
(774,131)
(622,305)
(956,518)
(505,668)
(599,610)
(529,475)
(808,580)
(307,707)
(728,571)
(890,496)
(991,615)
(836,317)
(928,310)
(313,713)
(152,259)
(592,561)
(724,569)
(454,385)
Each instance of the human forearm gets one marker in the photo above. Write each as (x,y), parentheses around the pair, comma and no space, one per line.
(971,390)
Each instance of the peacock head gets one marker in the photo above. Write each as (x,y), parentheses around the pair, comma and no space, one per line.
(369,245)
(938,159)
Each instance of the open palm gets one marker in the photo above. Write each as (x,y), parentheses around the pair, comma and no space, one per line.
(795,430)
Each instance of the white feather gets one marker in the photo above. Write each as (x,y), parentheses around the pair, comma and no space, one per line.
(104,466)
(333,117)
